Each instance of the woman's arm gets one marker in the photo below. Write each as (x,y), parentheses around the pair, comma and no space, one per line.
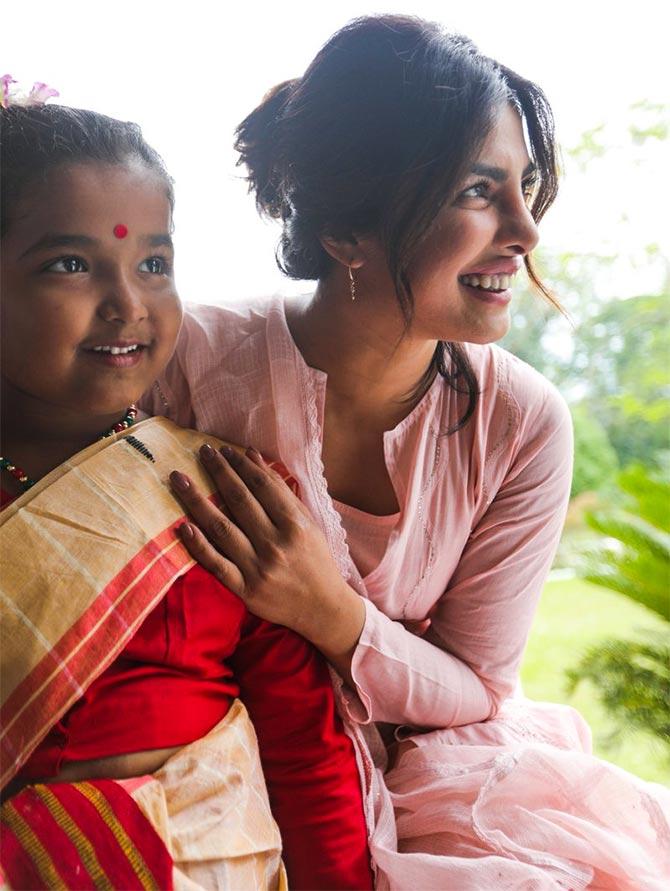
(467,663)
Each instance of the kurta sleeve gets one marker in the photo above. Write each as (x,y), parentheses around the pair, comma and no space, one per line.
(467,662)
(308,760)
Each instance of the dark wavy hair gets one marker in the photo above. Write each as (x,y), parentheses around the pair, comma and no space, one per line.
(374,138)
(36,139)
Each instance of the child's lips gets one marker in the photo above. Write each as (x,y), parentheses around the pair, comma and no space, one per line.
(117,355)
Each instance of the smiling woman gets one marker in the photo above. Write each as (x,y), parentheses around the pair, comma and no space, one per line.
(434,467)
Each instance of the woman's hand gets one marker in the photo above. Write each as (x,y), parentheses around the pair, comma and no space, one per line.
(268,550)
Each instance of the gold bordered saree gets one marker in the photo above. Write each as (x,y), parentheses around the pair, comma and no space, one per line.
(86,554)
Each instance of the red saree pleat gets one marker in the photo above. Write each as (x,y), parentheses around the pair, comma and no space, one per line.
(81,836)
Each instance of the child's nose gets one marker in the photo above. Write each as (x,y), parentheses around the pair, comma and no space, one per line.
(123,301)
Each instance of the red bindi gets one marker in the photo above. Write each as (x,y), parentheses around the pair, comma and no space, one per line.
(120,231)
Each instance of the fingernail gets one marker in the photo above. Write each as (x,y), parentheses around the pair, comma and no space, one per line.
(179,481)
(228,453)
(255,455)
(186,531)
(207,451)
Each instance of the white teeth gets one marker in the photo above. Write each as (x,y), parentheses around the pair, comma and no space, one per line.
(495,282)
(116,351)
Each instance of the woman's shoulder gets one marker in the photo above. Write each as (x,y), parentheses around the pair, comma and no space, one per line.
(520,419)
(506,380)
(222,326)
(214,339)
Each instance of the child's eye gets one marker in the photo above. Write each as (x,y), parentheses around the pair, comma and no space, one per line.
(68,265)
(155,265)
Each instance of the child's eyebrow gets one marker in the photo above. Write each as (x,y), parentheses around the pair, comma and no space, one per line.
(52,240)
(49,241)
(159,241)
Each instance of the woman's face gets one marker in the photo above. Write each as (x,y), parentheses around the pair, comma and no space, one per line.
(90,313)
(461,274)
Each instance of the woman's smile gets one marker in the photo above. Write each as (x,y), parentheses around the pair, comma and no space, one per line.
(492,294)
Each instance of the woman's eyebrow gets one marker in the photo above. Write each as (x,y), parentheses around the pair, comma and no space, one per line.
(52,240)
(497,174)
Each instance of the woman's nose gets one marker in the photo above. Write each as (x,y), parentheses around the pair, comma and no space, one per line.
(519,231)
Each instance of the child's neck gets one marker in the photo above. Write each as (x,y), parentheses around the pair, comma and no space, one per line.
(38,437)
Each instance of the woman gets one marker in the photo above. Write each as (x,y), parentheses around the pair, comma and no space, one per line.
(410,172)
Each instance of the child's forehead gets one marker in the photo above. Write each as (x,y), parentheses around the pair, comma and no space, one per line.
(131,194)
(85,179)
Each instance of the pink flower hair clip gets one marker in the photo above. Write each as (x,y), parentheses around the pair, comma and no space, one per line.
(11,94)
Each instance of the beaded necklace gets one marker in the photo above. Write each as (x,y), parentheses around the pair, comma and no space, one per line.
(18,473)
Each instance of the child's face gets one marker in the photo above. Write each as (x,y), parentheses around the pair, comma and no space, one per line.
(70,286)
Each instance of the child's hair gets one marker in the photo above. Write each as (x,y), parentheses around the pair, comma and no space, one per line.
(35,139)
(375,138)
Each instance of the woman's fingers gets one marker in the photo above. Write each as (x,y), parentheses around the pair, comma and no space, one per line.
(240,499)
(207,556)
(266,485)
(222,532)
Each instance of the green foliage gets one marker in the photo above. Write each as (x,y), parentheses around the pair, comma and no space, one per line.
(612,356)
(633,676)
(596,462)
(589,147)
(651,122)
(634,558)
(572,616)
(622,355)
(616,367)
(633,680)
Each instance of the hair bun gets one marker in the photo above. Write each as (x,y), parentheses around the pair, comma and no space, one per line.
(258,141)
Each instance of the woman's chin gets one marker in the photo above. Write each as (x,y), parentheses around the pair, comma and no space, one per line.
(482,330)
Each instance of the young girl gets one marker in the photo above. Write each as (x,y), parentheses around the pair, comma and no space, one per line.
(132,762)
(409,173)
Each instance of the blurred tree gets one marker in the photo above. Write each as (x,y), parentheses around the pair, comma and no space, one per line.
(622,357)
(632,677)
(634,556)
(609,356)
(596,462)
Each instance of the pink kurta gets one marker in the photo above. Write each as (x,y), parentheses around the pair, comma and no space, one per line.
(507,804)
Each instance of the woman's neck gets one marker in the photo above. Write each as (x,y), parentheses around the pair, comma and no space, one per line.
(374,367)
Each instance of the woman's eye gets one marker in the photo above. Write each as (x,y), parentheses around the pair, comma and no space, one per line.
(476,190)
(68,265)
(529,189)
(154,265)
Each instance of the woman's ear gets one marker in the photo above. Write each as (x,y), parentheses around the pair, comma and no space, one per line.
(347,251)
